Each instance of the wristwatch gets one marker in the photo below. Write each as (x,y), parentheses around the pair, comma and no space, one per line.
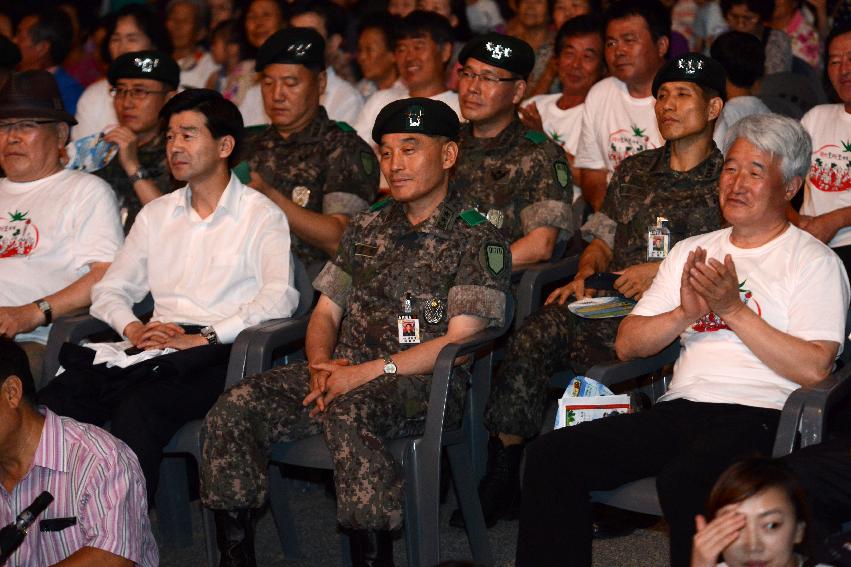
(389,365)
(209,333)
(141,173)
(45,308)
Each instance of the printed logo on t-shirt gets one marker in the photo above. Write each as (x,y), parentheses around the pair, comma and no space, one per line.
(556,137)
(711,322)
(626,142)
(18,235)
(829,170)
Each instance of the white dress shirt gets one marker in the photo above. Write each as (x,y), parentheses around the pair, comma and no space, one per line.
(230,270)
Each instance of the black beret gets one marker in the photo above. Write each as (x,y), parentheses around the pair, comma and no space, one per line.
(149,64)
(693,68)
(10,55)
(503,51)
(300,46)
(416,115)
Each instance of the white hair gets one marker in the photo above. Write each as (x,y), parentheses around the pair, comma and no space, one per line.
(779,136)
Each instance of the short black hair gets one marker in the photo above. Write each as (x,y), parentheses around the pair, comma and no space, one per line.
(841,28)
(146,20)
(765,8)
(384,22)
(332,15)
(742,55)
(232,34)
(14,362)
(586,24)
(54,26)
(421,23)
(657,17)
(221,115)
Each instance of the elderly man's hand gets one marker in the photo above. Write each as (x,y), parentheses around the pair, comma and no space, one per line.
(23,319)
(693,305)
(717,284)
(635,280)
(822,227)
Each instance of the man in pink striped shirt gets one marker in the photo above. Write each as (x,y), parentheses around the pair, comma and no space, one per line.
(99,515)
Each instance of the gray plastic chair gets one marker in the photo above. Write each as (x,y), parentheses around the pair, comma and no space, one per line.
(420,459)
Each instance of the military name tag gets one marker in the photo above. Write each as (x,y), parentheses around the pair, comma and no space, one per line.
(496,217)
(658,242)
(433,311)
(409,330)
(365,250)
(301,195)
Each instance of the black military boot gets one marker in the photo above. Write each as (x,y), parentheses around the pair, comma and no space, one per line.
(499,489)
(235,537)
(371,548)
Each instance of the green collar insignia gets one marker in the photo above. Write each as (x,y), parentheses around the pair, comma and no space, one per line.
(473,217)
(344,126)
(377,206)
(535,137)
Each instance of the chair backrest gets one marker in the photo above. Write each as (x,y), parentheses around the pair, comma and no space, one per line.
(306,293)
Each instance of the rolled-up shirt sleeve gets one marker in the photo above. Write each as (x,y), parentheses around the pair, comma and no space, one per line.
(335,279)
(483,281)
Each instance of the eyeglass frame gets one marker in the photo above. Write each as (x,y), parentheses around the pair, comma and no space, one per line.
(7,128)
(487,79)
(142,94)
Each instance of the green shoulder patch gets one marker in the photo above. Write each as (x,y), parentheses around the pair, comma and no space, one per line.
(378,205)
(367,162)
(492,257)
(472,217)
(562,173)
(535,137)
(344,126)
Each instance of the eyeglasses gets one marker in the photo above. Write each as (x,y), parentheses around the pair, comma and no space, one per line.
(742,19)
(487,79)
(134,93)
(23,126)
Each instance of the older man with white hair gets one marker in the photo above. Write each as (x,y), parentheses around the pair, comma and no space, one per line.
(760,310)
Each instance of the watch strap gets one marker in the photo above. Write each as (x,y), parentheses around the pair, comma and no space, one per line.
(45,308)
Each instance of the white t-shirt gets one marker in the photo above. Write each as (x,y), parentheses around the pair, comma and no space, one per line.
(341,100)
(562,126)
(795,283)
(615,126)
(50,231)
(194,74)
(828,184)
(94,111)
(484,16)
(734,110)
(366,120)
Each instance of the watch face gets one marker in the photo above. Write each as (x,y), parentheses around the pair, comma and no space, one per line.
(390,368)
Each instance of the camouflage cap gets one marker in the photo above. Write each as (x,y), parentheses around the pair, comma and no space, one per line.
(149,64)
(693,68)
(299,46)
(503,51)
(417,116)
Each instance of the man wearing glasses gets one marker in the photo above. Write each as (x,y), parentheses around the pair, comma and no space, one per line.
(59,229)
(518,178)
(142,82)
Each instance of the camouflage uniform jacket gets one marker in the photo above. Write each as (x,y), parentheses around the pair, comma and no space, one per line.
(382,258)
(152,159)
(645,187)
(521,173)
(328,160)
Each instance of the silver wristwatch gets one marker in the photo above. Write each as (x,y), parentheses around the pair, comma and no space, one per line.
(389,365)
(209,333)
(141,173)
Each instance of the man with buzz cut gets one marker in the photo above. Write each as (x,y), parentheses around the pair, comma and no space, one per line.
(318,171)
(413,274)
(518,178)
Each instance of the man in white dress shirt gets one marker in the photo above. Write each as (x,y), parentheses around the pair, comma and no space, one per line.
(215,256)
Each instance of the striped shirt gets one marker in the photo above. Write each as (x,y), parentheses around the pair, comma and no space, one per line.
(94,478)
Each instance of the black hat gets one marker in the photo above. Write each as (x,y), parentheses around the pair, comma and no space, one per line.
(10,55)
(33,94)
(300,46)
(416,115)
(503,51)
(693,68)
(150,64)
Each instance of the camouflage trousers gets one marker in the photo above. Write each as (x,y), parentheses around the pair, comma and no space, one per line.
(267,408)
(550,340)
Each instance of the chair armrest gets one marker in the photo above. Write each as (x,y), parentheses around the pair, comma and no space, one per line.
(253,348)
(616,372)
(534,279)
(67,329)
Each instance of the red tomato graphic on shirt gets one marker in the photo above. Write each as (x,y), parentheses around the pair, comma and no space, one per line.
(829,171)
(711,322)
(626,142)
(18,235)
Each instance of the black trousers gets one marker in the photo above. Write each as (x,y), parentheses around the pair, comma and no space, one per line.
(685,444)
(146,403)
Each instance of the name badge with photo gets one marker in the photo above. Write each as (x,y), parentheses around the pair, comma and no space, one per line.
(409,330)
(658,242)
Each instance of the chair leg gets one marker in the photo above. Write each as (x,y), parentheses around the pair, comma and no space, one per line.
(280,503)
(172,502)
(210,546)
(468,500)
(422,506)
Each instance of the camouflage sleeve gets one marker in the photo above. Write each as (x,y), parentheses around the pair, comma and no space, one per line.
(352,170)
(483,280)
(335,279)
(601,224)
(549,191)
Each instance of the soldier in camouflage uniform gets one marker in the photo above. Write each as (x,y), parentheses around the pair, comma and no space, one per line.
(142,82)
(519,178)
(419,261)
(678,182)
(317,170)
